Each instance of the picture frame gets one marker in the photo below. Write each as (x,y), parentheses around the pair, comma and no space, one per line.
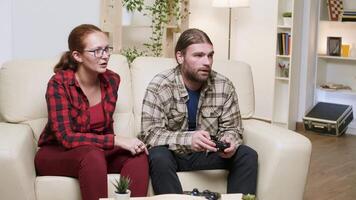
(334,46)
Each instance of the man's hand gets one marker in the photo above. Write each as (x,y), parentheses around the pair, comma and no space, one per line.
(228,152)
(201,141)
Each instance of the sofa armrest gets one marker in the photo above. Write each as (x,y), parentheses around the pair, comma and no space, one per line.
(17,151)
(283,157)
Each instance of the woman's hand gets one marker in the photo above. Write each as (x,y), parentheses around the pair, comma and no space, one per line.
(134,145)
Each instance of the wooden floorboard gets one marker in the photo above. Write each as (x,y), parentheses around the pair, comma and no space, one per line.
(332,172)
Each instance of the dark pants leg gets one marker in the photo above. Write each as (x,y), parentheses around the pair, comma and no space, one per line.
(163,168)
(242,169)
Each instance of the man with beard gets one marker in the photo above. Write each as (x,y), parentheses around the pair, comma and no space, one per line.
(184,108)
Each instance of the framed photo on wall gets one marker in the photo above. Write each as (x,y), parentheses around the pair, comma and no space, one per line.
(334,46)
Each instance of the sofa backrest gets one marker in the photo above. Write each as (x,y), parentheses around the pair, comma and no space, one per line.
(23,86)
(143,69)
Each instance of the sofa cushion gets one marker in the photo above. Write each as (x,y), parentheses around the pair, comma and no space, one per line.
(22,89)
(64,188)
(238,72)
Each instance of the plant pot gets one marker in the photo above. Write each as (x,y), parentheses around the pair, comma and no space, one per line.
(287,21)
(284,72)
(125,196)
(126,19)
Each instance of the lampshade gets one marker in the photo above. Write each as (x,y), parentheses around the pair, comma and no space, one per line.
(230,3)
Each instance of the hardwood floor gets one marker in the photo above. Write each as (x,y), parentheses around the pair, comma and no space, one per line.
(332,172)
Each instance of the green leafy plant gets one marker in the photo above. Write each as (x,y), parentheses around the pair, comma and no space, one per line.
(122,185)
(248,197)
(133,5)
(287,14)
(132,53)
(161,13)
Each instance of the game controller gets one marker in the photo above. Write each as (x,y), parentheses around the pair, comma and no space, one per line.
(221,146)
(206,193)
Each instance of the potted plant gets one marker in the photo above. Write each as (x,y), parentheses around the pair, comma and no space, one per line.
(248,197)
(132,53)
(128,8)
(287,18)
(121,188)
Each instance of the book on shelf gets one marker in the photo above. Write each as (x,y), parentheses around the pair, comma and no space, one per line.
(349,12)
(284,43)
(348,16)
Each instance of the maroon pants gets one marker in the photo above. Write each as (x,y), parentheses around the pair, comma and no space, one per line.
(91,165)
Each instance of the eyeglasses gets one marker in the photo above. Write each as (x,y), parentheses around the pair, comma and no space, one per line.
(99,52)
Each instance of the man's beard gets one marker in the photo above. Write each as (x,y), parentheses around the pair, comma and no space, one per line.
(196,78)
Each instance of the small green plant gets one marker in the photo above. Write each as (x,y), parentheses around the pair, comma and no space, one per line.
(287,14)
(122,185)
(133,5)
(248,197)
(132,53)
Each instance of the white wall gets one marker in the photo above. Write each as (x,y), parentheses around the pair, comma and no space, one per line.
(39,28)
(309,38)
(253,41)
(5,30)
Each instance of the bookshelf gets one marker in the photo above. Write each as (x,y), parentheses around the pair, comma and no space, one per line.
(336,69)
(110,22)
(288,54)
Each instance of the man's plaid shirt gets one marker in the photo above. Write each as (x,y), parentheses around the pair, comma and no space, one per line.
(165,117)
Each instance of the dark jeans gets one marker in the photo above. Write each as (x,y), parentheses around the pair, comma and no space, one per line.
(91,165)
(164,164)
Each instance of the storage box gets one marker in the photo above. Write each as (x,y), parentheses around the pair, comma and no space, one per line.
(328,118)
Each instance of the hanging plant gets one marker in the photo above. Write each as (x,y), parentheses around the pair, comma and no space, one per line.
(161,13)
(133,5)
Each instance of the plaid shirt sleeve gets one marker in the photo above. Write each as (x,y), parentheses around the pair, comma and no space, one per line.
(60,122)
(230,123)
(154,120)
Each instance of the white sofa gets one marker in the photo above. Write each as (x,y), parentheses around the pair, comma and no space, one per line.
(283,155)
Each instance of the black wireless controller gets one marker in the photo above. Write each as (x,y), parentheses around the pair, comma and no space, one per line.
(206,193)
(221,146)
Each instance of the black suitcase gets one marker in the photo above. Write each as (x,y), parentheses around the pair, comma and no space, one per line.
(328,118)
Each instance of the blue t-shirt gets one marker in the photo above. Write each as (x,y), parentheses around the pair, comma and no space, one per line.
(192,106)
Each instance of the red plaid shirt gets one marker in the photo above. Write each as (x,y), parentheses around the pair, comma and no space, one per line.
(68,112)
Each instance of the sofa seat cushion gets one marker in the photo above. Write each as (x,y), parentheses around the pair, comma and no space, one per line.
(64,188)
